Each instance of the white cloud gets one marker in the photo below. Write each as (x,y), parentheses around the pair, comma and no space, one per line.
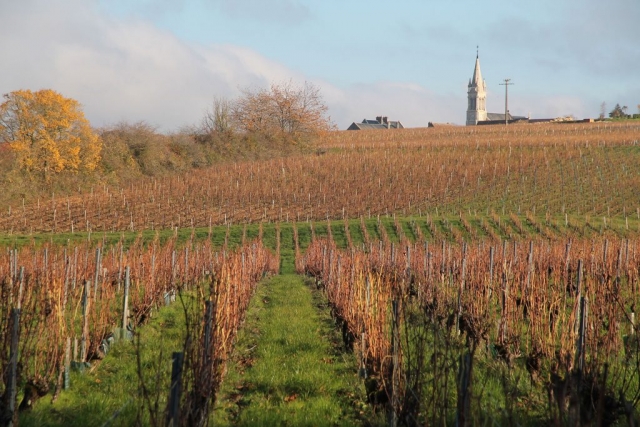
(122,70)
(129,70)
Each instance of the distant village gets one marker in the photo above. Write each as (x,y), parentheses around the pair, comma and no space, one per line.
(477,114)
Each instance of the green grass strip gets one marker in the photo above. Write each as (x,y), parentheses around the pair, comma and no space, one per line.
(288,368)
(108,391)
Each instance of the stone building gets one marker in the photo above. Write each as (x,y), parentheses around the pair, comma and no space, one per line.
(381,122)
(477,102)
(477,97)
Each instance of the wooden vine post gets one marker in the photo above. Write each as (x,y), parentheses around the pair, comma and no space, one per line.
(363,345)
(125,299)
(208,337)
(97,273)
(580,327)
(464,395)
(395,373)
(173,412)
(12,374)
(85,321)
(67,364)
(491,257)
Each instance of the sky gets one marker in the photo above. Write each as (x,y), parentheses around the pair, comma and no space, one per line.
(163,62)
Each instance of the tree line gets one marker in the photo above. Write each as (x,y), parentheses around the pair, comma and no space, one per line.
(46,143)
(618,112)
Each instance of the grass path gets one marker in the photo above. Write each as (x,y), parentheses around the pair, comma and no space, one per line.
(106,393)
(288,368)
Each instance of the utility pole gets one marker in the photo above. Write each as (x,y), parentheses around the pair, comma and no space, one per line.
(506,85)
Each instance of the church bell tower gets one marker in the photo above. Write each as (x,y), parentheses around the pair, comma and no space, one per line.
(477,96)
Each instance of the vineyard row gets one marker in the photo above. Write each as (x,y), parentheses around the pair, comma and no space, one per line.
(66,304)
(421,314)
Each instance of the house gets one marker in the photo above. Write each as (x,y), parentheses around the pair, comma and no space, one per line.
(381,122)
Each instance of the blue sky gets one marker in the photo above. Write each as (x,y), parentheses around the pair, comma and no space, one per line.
(164,61)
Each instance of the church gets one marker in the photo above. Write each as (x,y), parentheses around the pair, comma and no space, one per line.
(477,107)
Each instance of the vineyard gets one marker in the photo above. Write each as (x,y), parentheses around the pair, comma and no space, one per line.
(480,333)
(586,171)
(64,306)
(481,275)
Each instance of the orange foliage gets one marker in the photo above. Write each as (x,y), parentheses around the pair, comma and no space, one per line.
(48,132)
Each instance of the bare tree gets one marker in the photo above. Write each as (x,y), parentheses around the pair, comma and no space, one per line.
(218,118)
(603,110)
(284,110)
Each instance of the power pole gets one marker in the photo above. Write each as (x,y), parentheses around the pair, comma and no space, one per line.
(506,85)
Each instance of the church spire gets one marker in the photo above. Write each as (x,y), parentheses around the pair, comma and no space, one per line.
(476,80)
(476,93)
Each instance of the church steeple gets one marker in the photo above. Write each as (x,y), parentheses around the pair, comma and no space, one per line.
(477,95)
(477,74)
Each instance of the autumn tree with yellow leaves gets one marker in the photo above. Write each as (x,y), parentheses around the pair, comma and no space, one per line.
(48,133)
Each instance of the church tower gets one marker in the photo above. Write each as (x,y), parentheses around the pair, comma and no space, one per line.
(477,95)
